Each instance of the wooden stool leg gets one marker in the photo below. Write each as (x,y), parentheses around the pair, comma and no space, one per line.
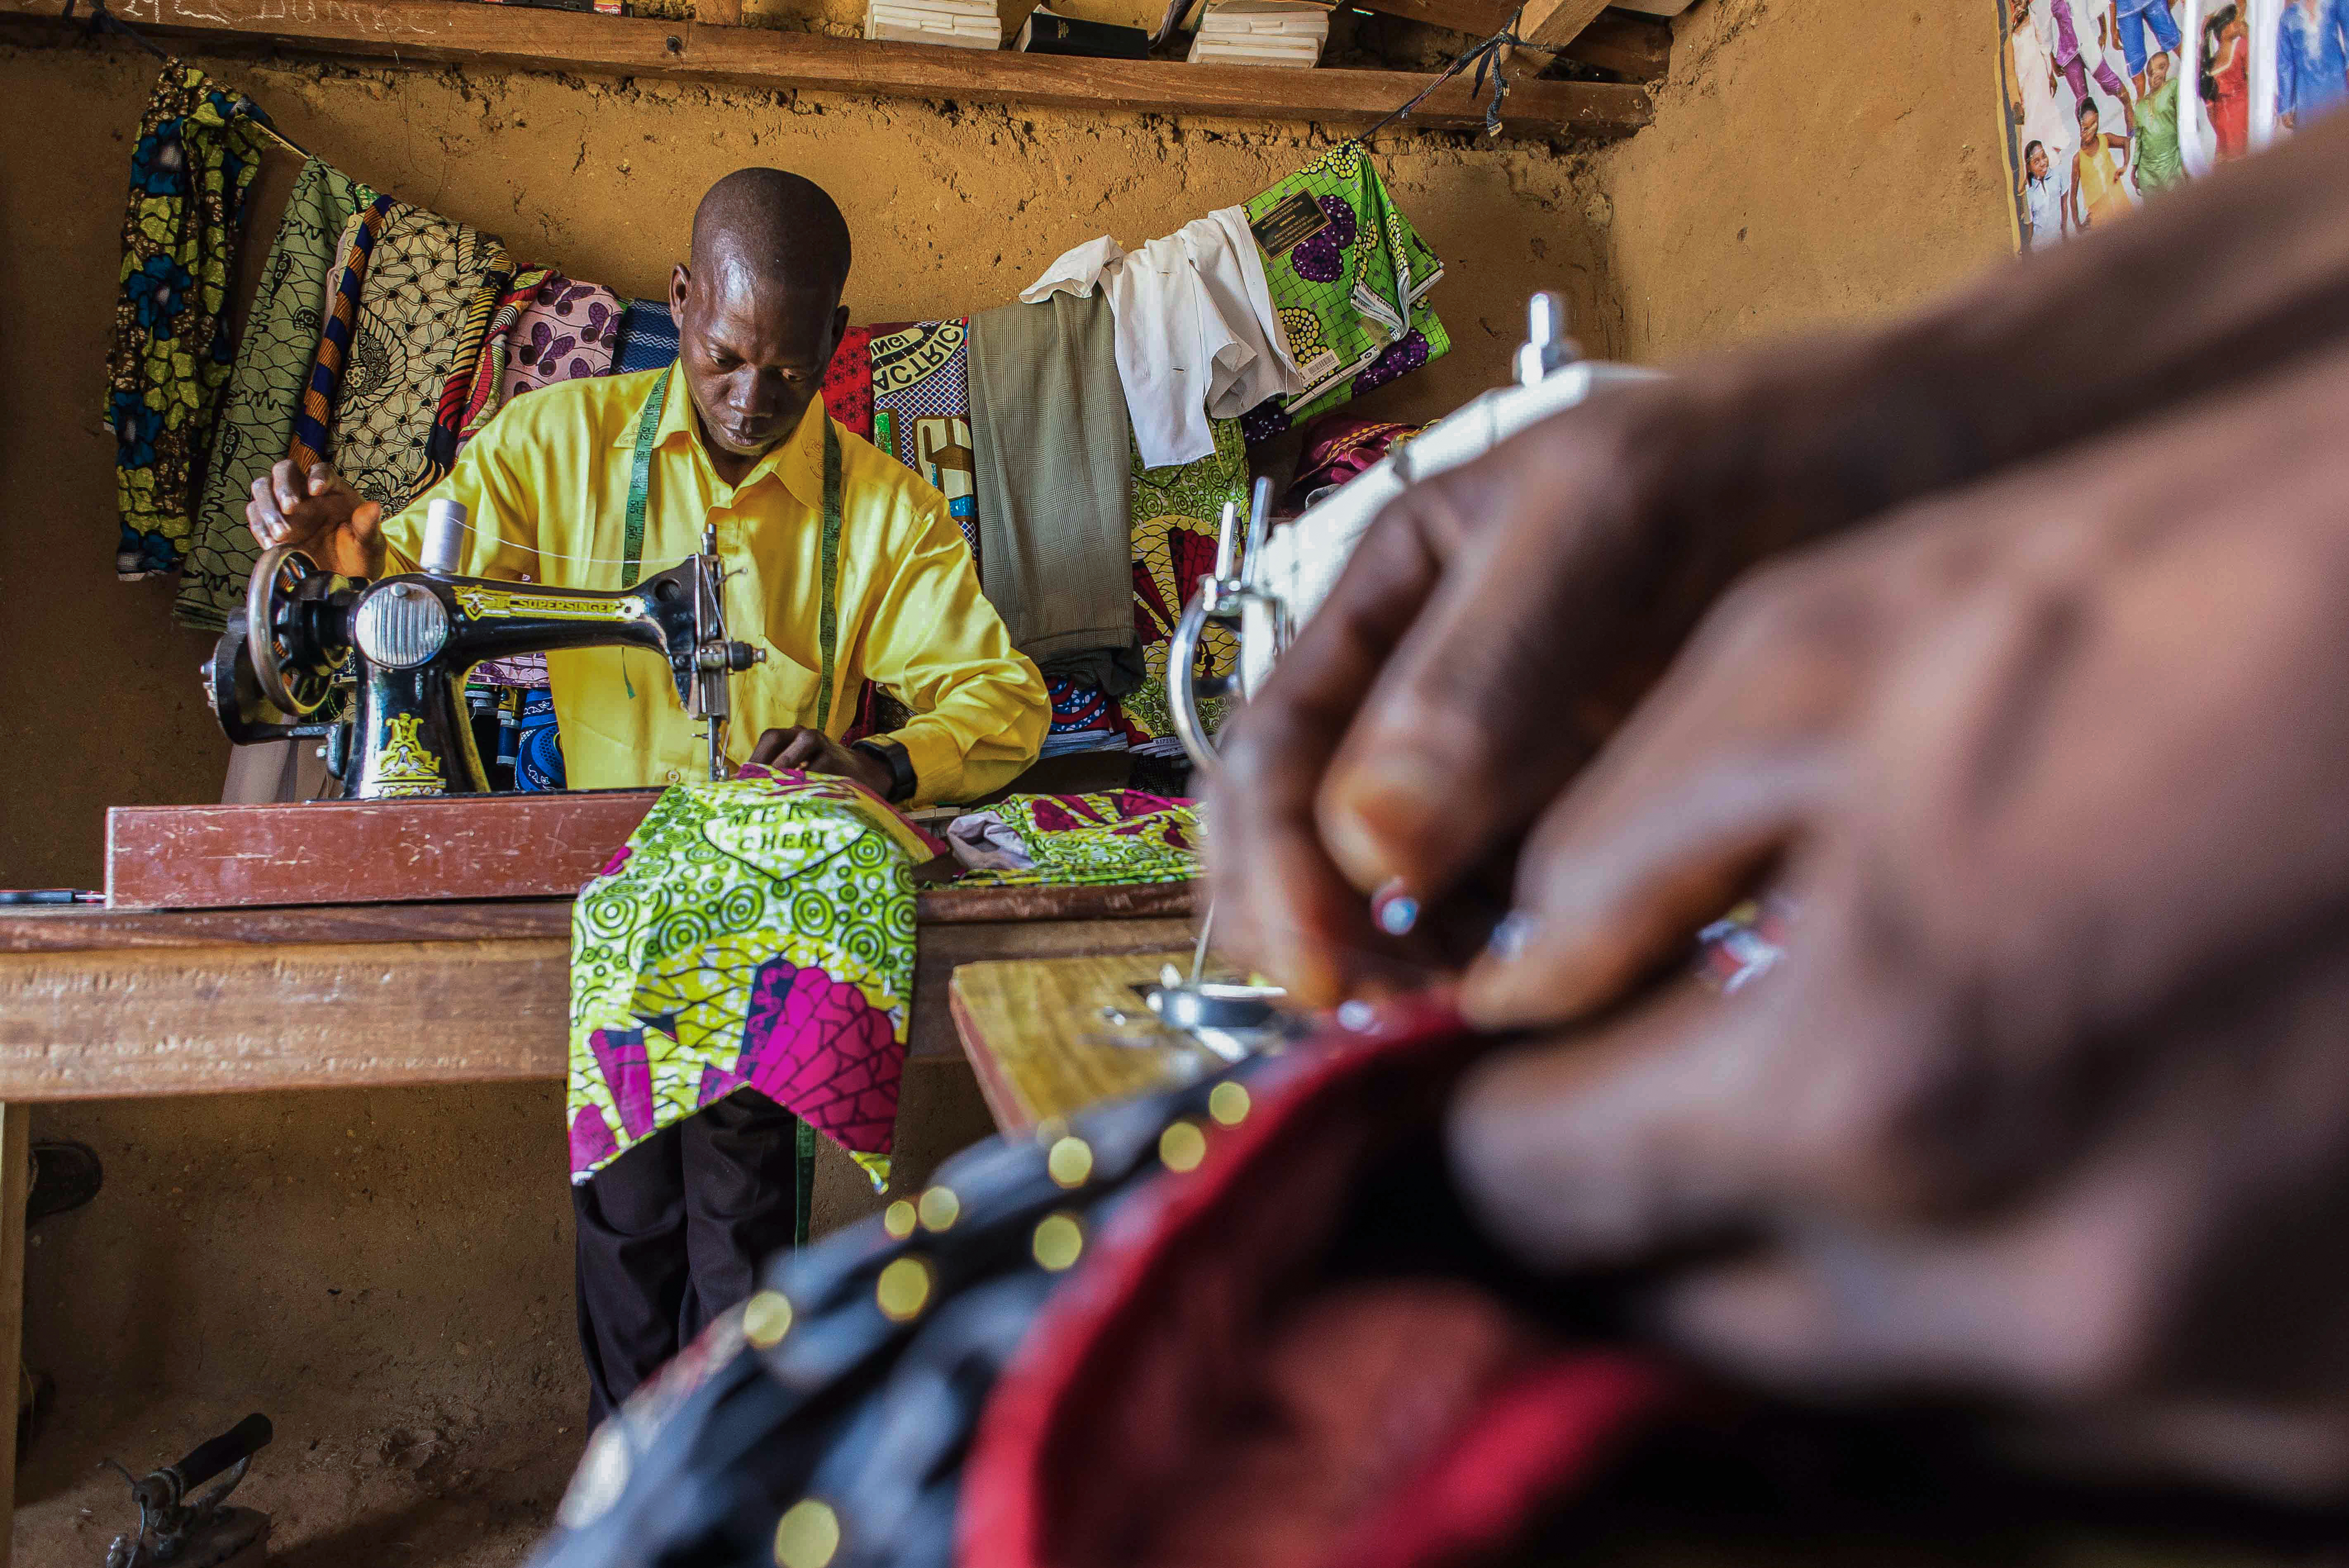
(15,1178)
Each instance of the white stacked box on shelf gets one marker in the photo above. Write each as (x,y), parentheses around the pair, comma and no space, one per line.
(959,24)
(1262,32)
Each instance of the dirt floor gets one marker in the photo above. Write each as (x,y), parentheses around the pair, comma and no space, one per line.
(386,1275)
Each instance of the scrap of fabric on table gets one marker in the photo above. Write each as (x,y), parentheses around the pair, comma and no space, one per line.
(1349,276)
(265,390)
(1118,837)
(168,364)
(754,933)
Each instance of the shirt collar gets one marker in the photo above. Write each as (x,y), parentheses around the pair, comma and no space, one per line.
(797,461)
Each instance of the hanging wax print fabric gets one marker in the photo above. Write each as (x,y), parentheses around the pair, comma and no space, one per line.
(1176,514)
(848,382)
(168,365)
(314,421)
(569,330)
(647,337)
(265,392)
(1350,277)
(448,433)
(754,933)
(425,271)
(921,411)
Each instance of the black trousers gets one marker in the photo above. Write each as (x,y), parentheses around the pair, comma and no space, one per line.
(672,1233)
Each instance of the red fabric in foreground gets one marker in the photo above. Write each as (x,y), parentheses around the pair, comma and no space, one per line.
(1197,1392)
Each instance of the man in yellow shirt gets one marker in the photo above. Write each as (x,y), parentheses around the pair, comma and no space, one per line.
(731,435)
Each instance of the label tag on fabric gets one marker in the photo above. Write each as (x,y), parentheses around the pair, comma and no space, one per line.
(1295,218)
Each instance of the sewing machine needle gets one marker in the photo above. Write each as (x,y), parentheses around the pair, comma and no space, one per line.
(1200,953)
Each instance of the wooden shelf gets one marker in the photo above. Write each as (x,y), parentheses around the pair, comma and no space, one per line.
(588,44)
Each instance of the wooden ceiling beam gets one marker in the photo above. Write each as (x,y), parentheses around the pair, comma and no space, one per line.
(1635,46)
(758,57)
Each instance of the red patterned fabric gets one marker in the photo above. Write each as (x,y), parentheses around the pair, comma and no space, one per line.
(848,382)
(1200,1391)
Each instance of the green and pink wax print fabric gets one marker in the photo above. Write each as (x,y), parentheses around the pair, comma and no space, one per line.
(755,933)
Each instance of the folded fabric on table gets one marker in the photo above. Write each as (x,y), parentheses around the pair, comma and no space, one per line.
(168,366)
(1196,330)
(1349,276)
(264,391)
(425,271)
(1052,454)
(568,331)
(647,337)
(1176,511)
(1118,837)
(848,382)
(755,933)
(921,411)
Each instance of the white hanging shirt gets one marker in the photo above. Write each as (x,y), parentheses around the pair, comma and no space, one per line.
(1197,334)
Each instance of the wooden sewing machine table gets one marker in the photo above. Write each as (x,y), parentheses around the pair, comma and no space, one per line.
(112,1002)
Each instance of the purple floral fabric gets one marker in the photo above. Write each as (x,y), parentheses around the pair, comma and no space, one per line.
(571,329)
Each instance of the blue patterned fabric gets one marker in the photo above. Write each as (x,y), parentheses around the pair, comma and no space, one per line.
(647,337)
(538,746)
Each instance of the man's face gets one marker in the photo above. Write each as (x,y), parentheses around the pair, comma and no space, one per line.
(754,351)
(2039,163)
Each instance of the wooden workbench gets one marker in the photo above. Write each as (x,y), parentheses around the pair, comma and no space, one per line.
(99,1003)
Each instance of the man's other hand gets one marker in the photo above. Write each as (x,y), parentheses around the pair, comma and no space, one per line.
(813,752)
(319,514)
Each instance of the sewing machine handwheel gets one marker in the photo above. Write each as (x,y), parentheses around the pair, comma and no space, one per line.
(290,687)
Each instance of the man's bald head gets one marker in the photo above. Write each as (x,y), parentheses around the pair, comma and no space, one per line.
(758,308)
(780,227)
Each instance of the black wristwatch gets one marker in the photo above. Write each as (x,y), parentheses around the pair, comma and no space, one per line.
(901,766)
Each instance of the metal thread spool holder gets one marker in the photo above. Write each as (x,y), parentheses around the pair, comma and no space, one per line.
(1220,597)
(1546,352)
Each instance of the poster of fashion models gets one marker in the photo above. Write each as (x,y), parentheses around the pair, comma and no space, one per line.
(2111,102)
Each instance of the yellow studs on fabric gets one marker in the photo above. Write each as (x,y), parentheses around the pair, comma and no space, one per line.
(1228,1104)
(1182,1147)
(1071,1161)
(903,1290)
(766,1318)
(898,1218)
(1060,1239)
(941,1208)
(808,1535)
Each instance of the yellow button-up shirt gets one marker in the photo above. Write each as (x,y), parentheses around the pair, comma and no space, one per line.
(545,490)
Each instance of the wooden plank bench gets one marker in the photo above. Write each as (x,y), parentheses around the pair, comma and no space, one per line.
(97,1003)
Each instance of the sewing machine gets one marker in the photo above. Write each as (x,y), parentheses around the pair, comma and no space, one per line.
(1288,575)
(397,650)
